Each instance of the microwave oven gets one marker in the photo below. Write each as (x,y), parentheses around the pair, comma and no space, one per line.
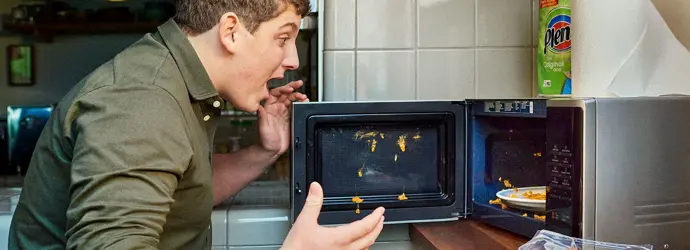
(612,170)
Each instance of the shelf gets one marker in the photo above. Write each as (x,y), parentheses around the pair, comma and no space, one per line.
(49,30)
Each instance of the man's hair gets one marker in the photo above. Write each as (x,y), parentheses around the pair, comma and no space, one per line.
(198,16)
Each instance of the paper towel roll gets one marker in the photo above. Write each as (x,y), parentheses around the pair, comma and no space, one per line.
(624,48)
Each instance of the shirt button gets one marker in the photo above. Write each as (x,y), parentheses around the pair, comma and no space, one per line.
(207,117)
(216,104)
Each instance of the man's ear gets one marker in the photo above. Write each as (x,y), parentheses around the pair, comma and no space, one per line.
(227,31)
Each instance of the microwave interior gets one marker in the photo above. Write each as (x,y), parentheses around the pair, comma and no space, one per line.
(431,161)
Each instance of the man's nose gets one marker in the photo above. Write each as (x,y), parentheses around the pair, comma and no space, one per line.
(291,61)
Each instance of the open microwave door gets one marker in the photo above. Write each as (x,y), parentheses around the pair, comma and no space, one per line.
(406,156)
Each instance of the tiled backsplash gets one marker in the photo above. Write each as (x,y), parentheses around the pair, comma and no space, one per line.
(428,49)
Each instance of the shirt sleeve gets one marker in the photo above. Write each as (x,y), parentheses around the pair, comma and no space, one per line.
(131,147)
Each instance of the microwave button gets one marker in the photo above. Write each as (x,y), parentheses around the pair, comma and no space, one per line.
(555,180)
(555,148)
(566,160)
(555,168)
(555,159)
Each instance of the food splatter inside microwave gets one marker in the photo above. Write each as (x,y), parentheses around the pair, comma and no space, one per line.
(387,161)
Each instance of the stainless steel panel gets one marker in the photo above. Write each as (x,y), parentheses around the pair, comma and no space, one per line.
(642,173)
(589,169)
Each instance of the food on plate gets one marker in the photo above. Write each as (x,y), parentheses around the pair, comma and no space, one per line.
(524,215)
(534,196)
(382,135)
(359,172)
(507,184)
(373,145)
(513,196)
(402,197)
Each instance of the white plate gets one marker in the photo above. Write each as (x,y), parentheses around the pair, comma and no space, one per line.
(523,203)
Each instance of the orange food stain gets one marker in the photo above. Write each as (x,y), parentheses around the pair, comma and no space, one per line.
(401,142)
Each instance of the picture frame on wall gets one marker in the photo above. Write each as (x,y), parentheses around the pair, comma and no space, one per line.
(20,65)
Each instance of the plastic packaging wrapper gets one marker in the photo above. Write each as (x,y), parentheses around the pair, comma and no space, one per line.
(547,240)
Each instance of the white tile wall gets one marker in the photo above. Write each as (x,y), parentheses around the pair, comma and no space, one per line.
(339,75)
(504,22)
(507,73)
(385,75)
(340,36)
(446,74)
(384,24)
(428,49)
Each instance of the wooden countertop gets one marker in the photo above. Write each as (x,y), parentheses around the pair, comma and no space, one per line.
(463,235)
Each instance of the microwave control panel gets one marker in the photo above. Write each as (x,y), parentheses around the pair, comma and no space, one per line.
(563,166)
(516,108)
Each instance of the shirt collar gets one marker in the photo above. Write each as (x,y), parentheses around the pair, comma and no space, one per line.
(195,76)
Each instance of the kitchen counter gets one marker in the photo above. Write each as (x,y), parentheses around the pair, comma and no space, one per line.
(463,235)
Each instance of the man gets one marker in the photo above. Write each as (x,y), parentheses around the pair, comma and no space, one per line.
(125,161)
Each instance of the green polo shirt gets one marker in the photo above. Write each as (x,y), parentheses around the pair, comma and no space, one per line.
(125,160)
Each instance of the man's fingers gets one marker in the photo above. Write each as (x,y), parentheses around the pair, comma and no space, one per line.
(312,206)
(296,84)
(287,99)
(368,239)
(360,228)
(286,89)
(281,90)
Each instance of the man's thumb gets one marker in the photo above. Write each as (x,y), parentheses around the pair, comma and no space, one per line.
(312,206)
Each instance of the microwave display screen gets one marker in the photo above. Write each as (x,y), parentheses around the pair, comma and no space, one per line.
(382,159)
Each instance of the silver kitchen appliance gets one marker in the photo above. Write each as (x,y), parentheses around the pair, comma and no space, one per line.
(613,170)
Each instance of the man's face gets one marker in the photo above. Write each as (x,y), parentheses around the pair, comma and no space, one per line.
(260,57)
